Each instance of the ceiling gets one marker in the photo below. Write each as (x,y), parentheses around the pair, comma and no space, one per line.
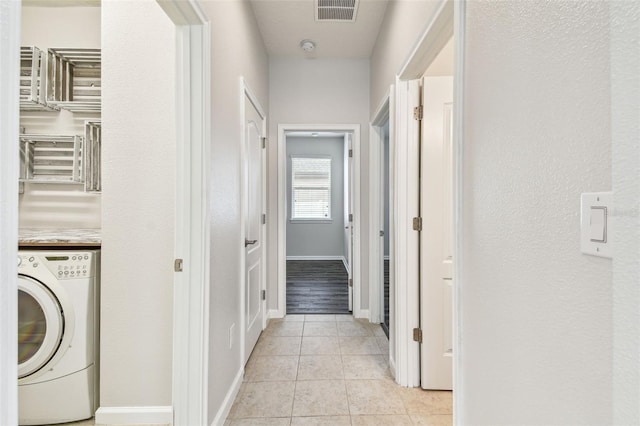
(285,23)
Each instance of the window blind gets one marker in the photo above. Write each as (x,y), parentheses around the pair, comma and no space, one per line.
(311,188)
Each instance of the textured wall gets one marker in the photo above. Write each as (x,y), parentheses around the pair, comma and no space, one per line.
(138,205)
(404,22)
(54,205)
(320,91)
(536,313)
(625,130)
(236,50)
(318,239)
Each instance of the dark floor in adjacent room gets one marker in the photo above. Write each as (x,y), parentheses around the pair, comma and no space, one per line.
(317,287)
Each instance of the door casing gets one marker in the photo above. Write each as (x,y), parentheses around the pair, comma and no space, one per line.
(281,259)
(192,229)
(448,21)
(10,16)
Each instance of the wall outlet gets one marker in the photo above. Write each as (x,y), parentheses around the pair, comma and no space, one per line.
(232,330)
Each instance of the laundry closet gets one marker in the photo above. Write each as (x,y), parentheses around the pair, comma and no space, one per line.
(59,211)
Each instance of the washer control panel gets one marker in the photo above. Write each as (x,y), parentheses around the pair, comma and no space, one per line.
(64,265)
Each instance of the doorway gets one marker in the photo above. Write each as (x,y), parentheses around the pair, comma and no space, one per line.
(318,230)
(318,237)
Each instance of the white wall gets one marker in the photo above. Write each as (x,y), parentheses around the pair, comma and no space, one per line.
(59,205)
(625,130)
(320,91)
(404,22)
(237,50)
(138,205)
(536,313)
(306,238)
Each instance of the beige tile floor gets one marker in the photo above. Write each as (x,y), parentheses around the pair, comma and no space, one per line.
(329,370)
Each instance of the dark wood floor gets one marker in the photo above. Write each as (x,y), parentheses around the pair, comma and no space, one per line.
(317,287)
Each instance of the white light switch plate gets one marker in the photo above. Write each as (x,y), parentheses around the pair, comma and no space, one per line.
(595,212)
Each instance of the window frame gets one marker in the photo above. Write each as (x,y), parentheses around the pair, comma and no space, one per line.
(328,219)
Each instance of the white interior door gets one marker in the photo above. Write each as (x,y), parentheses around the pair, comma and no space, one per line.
(254,232)
(436,238)
(348,223)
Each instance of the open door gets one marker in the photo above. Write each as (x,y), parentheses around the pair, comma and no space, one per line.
(348,211)
(254,226)
(436,238)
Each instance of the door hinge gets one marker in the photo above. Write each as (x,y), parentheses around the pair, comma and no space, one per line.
(264,142)
(177,265)
(417,224)
(382,233)
(418,112)
(350,217)
(350,153)
(417,335)
(264,218)
(264,294)
(350,282)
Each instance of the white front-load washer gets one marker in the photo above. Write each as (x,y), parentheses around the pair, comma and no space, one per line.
(57,335)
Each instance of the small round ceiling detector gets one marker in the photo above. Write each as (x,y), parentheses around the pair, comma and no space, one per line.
(307,45)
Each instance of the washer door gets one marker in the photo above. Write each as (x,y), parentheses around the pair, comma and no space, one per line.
(40,325)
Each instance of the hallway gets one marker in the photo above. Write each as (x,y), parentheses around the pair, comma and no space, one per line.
(331,370)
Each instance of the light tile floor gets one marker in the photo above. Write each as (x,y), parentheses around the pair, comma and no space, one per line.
(329,370)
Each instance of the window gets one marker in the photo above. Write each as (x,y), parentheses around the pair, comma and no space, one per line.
(311,188)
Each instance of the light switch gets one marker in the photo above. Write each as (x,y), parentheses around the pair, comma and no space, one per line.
(598,226)
(594,223)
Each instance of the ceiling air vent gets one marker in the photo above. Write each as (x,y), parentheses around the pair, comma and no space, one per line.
(336,10)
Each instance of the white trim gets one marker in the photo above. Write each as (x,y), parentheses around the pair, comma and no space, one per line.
(458,205)
(134,415)
(386,257)
(192,229)
(10,19)
(434,37)
(275,314)
(224,410)
(362,314)
(405,204)
(345,263)
(376,208)
(282,202)
(247,94)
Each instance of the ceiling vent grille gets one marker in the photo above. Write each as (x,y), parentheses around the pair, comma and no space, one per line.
(336,10)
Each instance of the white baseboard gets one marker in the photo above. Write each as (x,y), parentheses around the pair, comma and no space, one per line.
(315,257)
(386,257)
(346,265)
(223,412)
(160,415)
(275,314)
(392,367)
(363,314)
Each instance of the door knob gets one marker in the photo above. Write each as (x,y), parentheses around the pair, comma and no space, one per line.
(249,242)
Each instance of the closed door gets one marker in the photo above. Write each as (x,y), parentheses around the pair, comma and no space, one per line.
(254,188)
(436,238)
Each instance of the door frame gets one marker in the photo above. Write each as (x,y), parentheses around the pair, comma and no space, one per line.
(192,228)
(282,210)
(382,113)
(247,94)
(385,111)
(448,21)
(10,16)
